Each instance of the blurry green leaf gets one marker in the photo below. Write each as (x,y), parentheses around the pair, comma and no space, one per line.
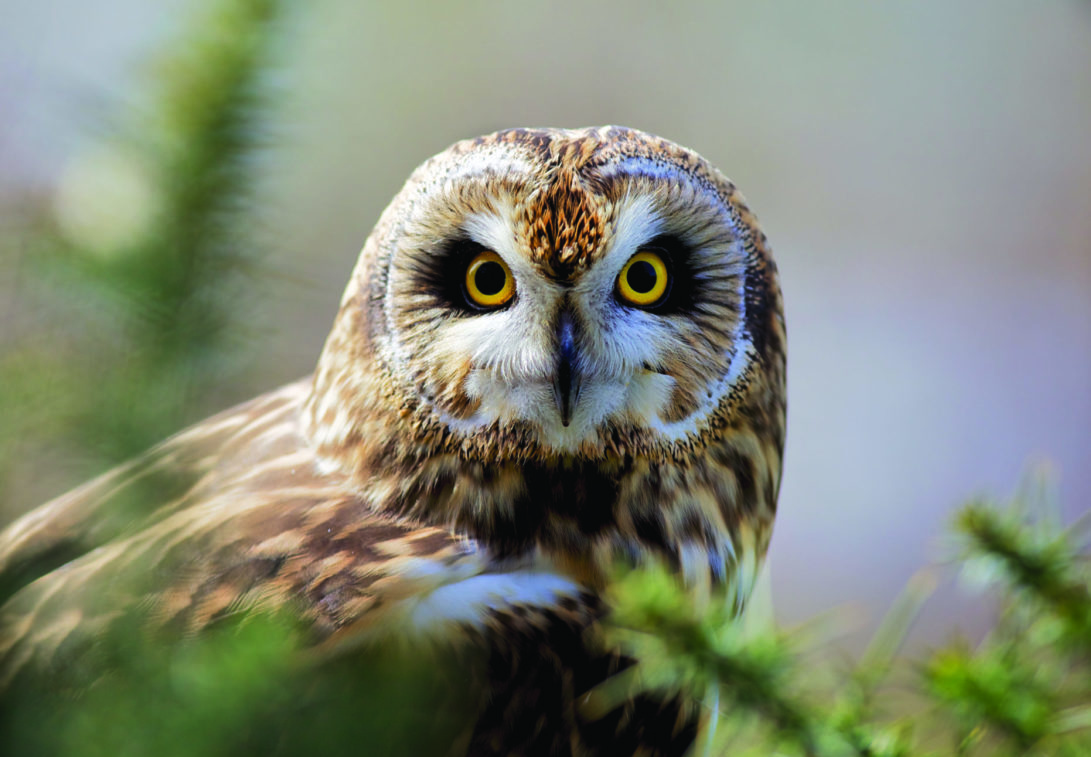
(1026,688)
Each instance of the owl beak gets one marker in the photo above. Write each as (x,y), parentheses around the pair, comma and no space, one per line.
(566,379)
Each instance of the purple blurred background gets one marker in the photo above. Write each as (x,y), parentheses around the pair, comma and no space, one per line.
(923,172)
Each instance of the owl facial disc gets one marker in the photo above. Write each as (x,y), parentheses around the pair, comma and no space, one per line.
(577,351)
(568,292)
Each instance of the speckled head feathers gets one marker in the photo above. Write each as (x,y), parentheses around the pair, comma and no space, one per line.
(565,209)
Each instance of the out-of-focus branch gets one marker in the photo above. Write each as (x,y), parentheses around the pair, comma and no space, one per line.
(142,261)
(1026,688)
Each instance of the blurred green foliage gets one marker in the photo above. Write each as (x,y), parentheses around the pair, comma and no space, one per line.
(246,687)
(140,270)
(138,275)
(1025,689)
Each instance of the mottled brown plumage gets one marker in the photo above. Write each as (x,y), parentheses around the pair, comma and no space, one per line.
(464,474)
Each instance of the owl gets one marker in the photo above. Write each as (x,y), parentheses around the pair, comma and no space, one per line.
(560,350)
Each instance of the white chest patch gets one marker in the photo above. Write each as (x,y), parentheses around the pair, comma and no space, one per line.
(470,601)
(437,598)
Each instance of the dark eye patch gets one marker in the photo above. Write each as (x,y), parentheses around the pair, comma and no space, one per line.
(442,275)
(679,258)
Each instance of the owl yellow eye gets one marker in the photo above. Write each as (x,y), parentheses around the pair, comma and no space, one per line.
(489,282)
(643,280)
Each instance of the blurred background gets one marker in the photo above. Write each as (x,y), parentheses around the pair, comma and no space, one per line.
(923,171)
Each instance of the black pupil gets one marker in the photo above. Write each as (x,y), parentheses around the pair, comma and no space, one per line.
(641,277)
(490,278)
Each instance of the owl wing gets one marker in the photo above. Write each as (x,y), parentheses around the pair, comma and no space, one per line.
(234,515)
(133,496)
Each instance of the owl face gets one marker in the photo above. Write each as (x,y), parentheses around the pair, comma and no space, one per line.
(570,302)
(567,343)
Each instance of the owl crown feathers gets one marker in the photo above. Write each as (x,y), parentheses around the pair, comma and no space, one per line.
(569,341)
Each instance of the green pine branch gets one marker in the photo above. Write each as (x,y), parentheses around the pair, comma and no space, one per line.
(145,265)
(1025,689)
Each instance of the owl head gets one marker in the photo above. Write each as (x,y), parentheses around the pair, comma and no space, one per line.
(563,338)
